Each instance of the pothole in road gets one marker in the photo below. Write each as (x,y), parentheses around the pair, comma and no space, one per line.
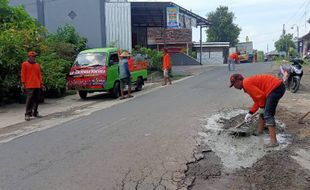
(227,151)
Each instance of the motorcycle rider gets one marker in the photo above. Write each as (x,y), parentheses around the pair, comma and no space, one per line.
(266,91)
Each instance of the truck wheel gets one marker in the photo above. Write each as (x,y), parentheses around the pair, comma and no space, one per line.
(83,94)
(116,90)
(139,84)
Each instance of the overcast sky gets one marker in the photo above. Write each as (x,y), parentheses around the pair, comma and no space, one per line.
(261,20)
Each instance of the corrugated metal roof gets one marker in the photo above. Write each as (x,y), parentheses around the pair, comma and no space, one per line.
(118,25)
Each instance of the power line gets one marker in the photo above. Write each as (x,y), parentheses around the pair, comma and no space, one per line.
(305,12)
(298,11)
(302,20)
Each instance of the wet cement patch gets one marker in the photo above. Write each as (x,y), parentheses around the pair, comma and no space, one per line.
(235,151)
(229,154)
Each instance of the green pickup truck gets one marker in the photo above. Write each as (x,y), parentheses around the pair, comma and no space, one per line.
(96,70)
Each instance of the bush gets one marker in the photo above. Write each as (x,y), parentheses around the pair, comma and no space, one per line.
(193,54)
(54,71)
(58,53)
(293,52)
(155,58)
(20,33)
(306,61)
(67,34)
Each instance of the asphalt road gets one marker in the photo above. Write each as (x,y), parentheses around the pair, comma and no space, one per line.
(143,143)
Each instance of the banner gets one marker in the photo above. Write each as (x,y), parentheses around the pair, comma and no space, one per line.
(172,17)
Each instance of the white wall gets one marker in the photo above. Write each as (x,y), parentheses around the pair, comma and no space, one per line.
(211,57)
(56,13)
(30,6)
(87,20)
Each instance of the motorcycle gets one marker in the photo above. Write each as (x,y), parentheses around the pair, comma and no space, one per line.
(292,74)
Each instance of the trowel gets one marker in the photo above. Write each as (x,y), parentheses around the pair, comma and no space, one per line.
(243,132)
(242,123)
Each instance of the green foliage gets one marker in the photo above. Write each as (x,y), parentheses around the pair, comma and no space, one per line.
(306,62)
(59,50)
(54,70)
(112,45)
(20,33)
(193,54)
(260,56)
(292,52)
(155,58)
(67,34)
(222,28)
(284,43)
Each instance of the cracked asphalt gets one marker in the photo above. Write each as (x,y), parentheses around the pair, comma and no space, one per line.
(143,143)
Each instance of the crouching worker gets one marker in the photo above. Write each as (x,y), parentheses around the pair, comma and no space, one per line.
(266,91)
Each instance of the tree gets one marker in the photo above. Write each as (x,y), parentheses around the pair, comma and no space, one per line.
(19,33)
(222,28)
(292,52)
(284,43)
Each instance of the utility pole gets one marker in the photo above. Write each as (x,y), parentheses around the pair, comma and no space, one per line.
(286,49)
(200,45)
(297,32)
(297,29)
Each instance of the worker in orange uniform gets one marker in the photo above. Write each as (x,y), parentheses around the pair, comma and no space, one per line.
(232,60)
(266,91)
(131,64)
(166,67)
(31,79)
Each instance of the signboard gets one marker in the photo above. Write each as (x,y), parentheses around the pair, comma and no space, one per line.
(172,17)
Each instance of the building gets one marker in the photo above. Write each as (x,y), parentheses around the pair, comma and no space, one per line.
(304,45)
(119,22)
(212,52)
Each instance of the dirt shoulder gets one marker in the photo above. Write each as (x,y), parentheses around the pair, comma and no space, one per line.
(287,167)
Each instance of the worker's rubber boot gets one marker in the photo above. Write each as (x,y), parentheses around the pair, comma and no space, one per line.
(261,125)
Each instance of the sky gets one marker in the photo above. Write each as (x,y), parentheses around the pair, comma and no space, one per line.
(261,20)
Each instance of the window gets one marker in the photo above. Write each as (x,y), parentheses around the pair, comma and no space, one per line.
(90,59)
(114,58)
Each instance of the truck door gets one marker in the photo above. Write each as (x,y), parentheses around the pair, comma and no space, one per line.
(112,73)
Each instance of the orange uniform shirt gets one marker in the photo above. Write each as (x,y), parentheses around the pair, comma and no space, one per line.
(234,56)
(131,64)
(166,64)
(259,87)
(31,75)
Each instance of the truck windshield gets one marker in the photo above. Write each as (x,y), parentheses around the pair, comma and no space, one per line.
(90,59)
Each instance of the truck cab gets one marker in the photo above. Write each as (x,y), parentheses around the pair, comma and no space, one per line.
(97,70)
